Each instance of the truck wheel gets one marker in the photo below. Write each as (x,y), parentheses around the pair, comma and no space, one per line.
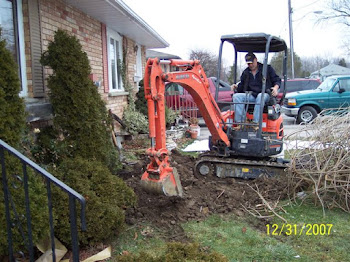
(306,114)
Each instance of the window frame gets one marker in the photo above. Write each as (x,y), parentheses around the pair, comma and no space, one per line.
(111,34)
(20,46)
(138,71)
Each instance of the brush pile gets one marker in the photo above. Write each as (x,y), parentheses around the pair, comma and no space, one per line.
(320,160)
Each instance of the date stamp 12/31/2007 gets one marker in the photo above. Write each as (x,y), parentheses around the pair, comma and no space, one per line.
(298,229)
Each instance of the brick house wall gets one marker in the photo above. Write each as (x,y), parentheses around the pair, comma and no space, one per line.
(56,14)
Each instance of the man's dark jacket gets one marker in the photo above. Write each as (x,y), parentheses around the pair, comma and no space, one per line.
(249,83)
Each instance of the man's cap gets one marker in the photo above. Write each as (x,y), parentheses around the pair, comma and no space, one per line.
(249,58)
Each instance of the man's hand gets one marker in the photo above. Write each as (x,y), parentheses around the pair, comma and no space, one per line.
(234,87)
(274,90)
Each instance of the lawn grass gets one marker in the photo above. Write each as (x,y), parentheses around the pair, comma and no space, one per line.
(239,240)
(332,246)
(139,238)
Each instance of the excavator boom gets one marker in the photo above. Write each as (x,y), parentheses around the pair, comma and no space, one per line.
(159,176)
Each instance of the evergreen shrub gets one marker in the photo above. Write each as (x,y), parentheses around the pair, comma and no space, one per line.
(38,207)
(80,115)
(106,196)
(12,125)
(79,144)
(12,114)
(141,102)
(141,106)
(135,120)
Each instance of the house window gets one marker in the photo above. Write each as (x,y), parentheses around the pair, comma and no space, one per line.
(11,23)
(115,59)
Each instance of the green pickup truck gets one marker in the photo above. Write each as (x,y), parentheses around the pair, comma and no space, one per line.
(334,92)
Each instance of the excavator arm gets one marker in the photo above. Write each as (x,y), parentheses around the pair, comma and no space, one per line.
(160,177)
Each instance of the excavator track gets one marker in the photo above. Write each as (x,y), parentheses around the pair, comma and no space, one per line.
(221,166)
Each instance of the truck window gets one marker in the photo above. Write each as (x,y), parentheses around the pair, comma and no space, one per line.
(327,84)
(300,85)
(309,85)
(344,83)
(336,87)
(293,86)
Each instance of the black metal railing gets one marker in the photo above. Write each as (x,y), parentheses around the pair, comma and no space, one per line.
(11,209)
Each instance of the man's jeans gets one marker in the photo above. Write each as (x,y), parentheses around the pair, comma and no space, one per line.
(240,108)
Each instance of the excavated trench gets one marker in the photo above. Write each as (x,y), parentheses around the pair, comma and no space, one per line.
(203,196)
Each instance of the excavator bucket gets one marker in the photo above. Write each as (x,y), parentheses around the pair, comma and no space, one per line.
(167,183)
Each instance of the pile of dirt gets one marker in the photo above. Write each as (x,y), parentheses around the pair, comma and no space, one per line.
(202,196)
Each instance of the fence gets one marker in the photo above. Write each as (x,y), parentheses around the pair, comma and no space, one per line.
(13,218)
(182,102)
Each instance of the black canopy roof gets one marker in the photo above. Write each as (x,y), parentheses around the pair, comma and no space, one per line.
(255,42)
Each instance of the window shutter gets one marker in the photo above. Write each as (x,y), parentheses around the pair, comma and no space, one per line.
(104,57)
(36,48)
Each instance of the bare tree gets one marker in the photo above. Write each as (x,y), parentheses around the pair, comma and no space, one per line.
(208,61)
(337,11)
(312,64)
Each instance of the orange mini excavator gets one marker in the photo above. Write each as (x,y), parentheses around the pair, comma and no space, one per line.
(244,153)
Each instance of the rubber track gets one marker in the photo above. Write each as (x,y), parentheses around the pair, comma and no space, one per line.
(270,163)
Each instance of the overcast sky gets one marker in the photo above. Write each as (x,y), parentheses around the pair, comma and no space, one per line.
(199,24)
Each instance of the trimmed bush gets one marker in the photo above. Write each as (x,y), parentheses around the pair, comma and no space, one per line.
(12,116)
(141,102)
(141,106)
(106,196)
(80,115)
(12,125)
(38,208)
(79,144)
(135,120)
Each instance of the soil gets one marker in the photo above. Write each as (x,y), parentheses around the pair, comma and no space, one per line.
(203,196)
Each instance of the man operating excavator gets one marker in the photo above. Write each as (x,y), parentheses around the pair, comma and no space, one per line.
(238,154)
(251,81)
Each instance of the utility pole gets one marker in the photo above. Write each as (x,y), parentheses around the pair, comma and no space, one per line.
(290,11)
